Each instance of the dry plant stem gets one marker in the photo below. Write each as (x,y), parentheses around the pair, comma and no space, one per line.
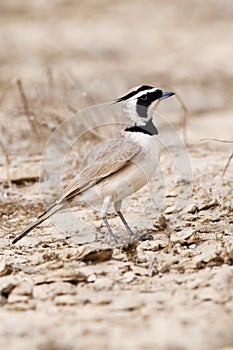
(50,80)
(4,93)
(65,92)
(27,112)
(89,99)
(72,109)
(4,151)
(223,141)
(80,87)
(217,140)
(227,164)
(184,119)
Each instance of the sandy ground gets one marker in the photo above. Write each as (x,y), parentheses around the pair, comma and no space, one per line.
(73,288)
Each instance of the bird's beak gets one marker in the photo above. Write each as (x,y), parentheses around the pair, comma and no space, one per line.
(166,94)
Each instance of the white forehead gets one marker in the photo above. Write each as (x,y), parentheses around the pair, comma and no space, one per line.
(140,93)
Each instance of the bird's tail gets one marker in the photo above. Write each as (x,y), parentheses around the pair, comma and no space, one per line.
(52,210)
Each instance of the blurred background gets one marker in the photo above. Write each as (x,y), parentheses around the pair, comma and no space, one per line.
(109,46)
(52,52)
(59,56)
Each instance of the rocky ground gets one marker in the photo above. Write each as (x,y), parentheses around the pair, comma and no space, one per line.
(69,287)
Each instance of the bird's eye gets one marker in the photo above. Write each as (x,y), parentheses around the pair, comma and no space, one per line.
(144,97)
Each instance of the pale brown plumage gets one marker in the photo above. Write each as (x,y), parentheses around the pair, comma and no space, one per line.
(116,169)
(115,155)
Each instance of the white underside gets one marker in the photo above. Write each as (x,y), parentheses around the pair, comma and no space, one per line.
(129,179)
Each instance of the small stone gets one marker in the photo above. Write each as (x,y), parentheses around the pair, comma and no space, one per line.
(127,303)
(66,300)
(141,271)
(91,278)
(129,277)
(182,236)
(50,290)
(149,245)
(192,246)
(24,288)
(7,284)
(208,293)
(170,210)
(4,268)
(104,298)
(189,217)
(153,245)
(209,204)
(22,306)
(161,222)
(2,265)
(191,208)
(103,283)
(17,298)
(216,218)
(172,194)
(124,268)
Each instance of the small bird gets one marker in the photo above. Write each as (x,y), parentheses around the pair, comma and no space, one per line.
(121,166)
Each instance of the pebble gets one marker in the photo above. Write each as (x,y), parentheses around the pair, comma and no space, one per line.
(207,205)
(66,300)
(127,303)
(129,277)
(191,208)
(103,283)
(91,278)
(170,210)
(182,236)
(153,245)
(17,298)
(7,284)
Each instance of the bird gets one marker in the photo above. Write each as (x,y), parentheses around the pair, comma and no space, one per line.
(119,167)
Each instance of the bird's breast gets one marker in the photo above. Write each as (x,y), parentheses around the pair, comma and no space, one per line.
(147,142)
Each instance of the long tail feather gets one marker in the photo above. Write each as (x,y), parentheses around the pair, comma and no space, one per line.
(52,210)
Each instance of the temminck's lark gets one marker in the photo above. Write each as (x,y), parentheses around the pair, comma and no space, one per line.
(120,167)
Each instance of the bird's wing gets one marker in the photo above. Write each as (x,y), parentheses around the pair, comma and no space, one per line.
(111,158)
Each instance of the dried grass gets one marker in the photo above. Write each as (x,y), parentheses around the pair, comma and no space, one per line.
(7,162)
(231,155)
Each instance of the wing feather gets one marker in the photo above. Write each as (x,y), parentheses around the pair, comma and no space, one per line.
(108,159)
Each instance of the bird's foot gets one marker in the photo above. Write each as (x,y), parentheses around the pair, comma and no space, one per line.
(145,237)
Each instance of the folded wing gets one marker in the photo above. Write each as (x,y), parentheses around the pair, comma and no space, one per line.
(108,158)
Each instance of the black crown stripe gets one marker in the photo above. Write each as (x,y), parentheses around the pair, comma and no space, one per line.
(135,92)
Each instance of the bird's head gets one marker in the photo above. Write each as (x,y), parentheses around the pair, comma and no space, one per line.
(139,101)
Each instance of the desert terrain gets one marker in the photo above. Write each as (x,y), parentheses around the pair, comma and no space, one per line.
(66,285)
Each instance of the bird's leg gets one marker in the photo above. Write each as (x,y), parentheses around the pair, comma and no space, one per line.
(117,207)
(128,229)
(110,230)
(104,211)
